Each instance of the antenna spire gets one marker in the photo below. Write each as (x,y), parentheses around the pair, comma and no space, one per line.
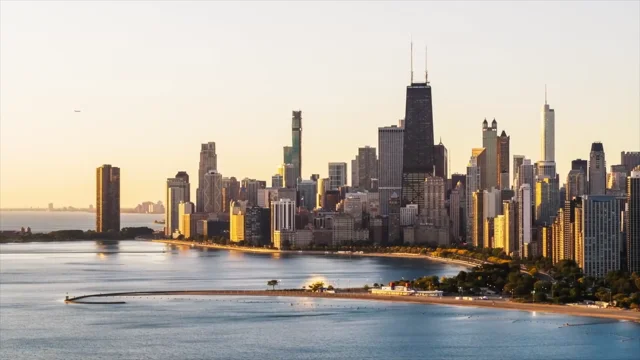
(411,60)
(426,71)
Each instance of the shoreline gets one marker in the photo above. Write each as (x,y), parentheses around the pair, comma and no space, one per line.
(311,252)
(615,314)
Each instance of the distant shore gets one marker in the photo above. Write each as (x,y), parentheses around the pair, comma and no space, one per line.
(613,313)
(309,252)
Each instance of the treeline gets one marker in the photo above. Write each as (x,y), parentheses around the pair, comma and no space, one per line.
(568,284)
(70,235)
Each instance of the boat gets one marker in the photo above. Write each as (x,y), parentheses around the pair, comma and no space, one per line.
(158,221)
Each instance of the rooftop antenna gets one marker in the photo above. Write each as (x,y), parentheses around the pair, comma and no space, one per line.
(411,59)
(426,71)
(545,94)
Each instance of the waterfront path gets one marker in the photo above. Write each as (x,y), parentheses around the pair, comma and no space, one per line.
(611,313)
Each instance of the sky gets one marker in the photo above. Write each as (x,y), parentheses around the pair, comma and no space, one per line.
(154,79)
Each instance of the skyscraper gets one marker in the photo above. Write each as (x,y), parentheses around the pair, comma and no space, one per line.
(417,155)
(630,160)
(435,212)
(456,200)
(367,167)
(177,192)
(337,175)
(472,185)
(289,176)
(355,176)
(184,176)
(633,221)
(490,144)
(478,218)
(296,142)
(597,170)
(208,162)
(323,186)
(440,158)
(277,181)
(517,161)
(509,211)
(616,180)
(525,176)
(283,216)
(548,149)
(546,200)
(390,140)
(504,178)
(601,235)
(524,220)
(211,192)
(107,199)
(579,164)
(576,184)
(308,190)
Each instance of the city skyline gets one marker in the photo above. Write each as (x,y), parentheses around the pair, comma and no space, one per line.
(141,118)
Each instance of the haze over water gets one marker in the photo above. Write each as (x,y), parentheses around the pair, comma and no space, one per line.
(36,324)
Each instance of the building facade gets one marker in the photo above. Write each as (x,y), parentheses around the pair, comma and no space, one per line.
(490,144)
(504,176)
(601,235)
(524,220)
(633,221)
(337,175)
(208,162)
(367,167)
(597,170)
(107,199)
(390,144)
(211,192)
(177,192)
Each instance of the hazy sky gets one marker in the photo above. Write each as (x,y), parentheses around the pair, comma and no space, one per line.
(154,79)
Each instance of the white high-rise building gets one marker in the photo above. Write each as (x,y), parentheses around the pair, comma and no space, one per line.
(337,175)
(283,216)
(524,220)
(390,143)
(548,131)
(601,236)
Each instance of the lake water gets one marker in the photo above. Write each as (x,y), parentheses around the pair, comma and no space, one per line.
(43,221)
(36,324)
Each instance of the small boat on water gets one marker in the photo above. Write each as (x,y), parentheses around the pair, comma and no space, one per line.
(158,221)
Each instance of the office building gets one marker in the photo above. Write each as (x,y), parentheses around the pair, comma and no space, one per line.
(184,224)
(499,232)
(337,175)
(208,162)
(526,176)
(277,181)
(257,226)
(510,228)
(478,217)
(488,233)
(617,180)
(545,168)
(289,176)
(547,199)
(632,214)
(548,117)
(524,220)
(517,161)
(185,177)
(473,181)
(435,212)
(211,192)
(440,158)
(107,199)
(480,154)
(409,215)
(390,147)
(177,192)
(367,162)
(287,152)
(307,190)
(323,186)
(296,143)
(237,214)
(597,170)
(504,177)
(576,185)
(492,203)
(394,218)
(283,215)
(490,144)
(630,159)
(579,164)
(456,213)
(417,155)
(600,234)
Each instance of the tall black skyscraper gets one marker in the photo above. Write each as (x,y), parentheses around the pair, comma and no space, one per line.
(417,155)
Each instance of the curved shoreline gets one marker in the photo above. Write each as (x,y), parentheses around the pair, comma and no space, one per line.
(309,252)
(616,314)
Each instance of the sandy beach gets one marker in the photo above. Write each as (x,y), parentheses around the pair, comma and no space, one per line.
(305,252)
(611,313)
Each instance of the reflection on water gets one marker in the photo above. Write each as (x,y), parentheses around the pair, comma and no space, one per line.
(107,248)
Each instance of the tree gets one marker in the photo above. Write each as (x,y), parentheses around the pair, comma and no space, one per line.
(316,286)
(330,287)
(272,283)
